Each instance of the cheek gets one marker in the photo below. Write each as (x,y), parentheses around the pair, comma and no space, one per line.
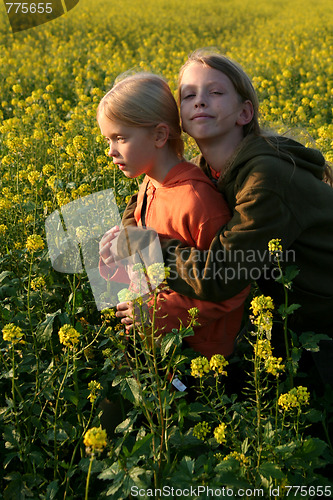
(182,118)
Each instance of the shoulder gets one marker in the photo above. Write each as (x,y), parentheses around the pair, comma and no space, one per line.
(269,162)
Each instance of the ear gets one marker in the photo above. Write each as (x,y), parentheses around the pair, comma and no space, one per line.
(246,113)
(161,135)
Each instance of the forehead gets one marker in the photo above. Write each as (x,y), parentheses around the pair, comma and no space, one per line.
(111,127)
(198,73)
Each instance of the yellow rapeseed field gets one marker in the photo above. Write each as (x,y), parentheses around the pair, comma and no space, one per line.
(51,153)
(53,76)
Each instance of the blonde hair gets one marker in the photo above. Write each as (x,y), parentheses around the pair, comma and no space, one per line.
(144,100)
(235,73)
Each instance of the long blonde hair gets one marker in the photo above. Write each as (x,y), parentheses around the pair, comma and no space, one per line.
(144,100)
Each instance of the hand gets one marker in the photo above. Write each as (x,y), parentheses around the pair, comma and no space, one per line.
(129,312)
(105,245)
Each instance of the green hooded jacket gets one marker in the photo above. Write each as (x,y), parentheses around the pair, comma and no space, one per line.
(274,187)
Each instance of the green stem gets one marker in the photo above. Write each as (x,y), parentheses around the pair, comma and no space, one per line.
(77,395)
(80,440)
(285,324)
(31,327)
(56,416)
(88,477)
(258,395)
(13,390)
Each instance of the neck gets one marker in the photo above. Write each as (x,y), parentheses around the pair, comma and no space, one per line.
(166,162)
(217,152)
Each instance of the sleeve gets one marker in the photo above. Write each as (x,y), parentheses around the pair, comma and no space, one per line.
(115,272)
(238,253)
(172,308)
(128,218)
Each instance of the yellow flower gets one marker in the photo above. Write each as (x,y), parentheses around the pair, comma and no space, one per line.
(53,182)
(37,283)
(48,169)
(263,348)
(95,440)
(34,243)
(157,273)
(240,457)
(68,336)
(3,229)
(199,366)
(217,363)
(193,313)
(295,398)
(32,177)
(261,303)
(108,314)
(12,333)
(219,433)
(17,89)
(80,142)
(275,247)
(62,198)
(94,388)
(5,204)
(201,430)
(273,366)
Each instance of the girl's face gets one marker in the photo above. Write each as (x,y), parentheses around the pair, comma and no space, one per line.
(131,148)
(209,104)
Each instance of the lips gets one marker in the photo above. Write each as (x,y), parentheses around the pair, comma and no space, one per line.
(199,116)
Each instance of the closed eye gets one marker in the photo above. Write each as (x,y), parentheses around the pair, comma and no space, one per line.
(187,96)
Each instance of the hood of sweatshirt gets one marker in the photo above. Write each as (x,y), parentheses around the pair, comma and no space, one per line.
(184,172)
(277,147)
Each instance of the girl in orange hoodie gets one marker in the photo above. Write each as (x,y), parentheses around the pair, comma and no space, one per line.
(140,120)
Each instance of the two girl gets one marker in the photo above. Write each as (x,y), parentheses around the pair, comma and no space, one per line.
(274,188)
(140,120)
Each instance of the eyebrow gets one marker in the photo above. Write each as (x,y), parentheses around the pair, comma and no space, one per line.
(208,84)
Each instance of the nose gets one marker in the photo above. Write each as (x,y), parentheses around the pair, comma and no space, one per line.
(200,101)
(112,150)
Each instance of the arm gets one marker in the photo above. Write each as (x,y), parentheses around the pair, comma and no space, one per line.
(238,252)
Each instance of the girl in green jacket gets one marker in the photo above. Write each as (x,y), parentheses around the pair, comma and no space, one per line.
(275,188)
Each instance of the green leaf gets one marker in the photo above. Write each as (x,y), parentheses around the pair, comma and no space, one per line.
(4,275)
(293,307)
(167,343)
(52,490)
(126,425)
(291,272)
(142,445)
(129,388)
(286,450)
(285,311)
(310,340)
(45,329)
(71,396)
(269,470)
(313,447)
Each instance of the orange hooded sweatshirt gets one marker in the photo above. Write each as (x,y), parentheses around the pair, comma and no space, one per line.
(188,207)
